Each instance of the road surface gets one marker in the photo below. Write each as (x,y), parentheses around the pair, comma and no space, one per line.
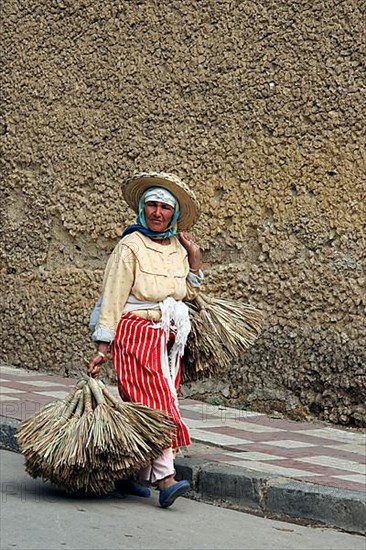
(36,515)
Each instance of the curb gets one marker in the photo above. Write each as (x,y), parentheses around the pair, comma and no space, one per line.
(276,497)
(255,492)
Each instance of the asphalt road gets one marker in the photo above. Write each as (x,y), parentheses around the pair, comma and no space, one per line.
(36,515)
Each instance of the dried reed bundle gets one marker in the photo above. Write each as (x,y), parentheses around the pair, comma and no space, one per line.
(77,451)
(45,418)
(38,445)
(67,438)
(221,330)
(96,441)
(150,430)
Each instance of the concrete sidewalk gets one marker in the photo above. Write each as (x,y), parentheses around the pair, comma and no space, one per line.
(241,459)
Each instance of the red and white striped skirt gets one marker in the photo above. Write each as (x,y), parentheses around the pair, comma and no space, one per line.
(136,352)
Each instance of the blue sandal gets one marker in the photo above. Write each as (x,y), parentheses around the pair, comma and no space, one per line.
(168,496)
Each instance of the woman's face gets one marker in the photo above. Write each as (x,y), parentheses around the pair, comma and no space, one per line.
(158,215)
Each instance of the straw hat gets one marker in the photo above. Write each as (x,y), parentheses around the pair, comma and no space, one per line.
(136,185)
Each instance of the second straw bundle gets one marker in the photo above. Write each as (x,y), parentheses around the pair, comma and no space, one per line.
(222,330)
(91,439)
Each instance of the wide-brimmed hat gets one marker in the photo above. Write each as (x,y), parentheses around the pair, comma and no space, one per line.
(136,185)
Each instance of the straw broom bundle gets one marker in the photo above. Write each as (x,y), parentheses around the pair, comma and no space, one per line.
(97,440)
(139,435)
(153,425)
(46,417)
(37,444)
(103,449)
(221,330)
(76,451)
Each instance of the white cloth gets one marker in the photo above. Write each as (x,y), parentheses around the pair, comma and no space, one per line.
(160,194)
(134,304)
(174,313)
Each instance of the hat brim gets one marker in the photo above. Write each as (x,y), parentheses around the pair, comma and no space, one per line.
(136,185)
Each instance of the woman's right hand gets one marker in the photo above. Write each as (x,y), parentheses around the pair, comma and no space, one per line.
(95,363)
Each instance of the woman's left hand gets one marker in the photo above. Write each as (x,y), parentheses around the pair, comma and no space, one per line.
(194,252)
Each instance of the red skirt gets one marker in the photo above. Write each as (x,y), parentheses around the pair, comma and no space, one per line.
(136,352)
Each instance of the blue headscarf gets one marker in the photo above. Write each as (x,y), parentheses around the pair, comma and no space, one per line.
(142,227)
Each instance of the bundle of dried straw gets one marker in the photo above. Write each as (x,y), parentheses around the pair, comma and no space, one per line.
(222,329)
(91,439)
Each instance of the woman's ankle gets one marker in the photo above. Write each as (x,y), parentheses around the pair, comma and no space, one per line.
(166,482)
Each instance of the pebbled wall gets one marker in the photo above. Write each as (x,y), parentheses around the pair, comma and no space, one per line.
(261,108)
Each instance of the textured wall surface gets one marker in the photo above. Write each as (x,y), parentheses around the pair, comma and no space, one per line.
(260,106)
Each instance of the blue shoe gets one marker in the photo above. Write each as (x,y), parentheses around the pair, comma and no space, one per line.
(130,487)
(168,496)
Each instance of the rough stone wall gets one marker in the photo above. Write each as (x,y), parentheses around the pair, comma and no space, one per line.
(260,106)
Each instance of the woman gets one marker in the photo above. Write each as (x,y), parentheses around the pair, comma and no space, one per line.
(142,315)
